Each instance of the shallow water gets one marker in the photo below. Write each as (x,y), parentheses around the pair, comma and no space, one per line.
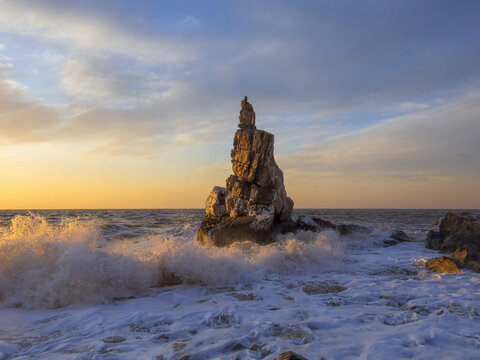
(133,284)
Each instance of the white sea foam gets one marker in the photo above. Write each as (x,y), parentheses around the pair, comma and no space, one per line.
(42,265)
(379,302)
(45,265)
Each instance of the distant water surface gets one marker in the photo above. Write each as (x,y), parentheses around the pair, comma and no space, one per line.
(132,223)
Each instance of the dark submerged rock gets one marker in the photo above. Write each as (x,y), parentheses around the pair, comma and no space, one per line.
(323,288)
(400,236)
(317,224)
(391,242)
(114,339)
(397,237)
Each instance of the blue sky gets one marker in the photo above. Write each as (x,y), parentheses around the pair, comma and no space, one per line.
(364,97)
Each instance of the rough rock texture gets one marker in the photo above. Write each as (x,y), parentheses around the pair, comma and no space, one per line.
(442,265)
(434,240)
(254,202)
(290,355)
(400,236)
(460,237)
(317,224)
(397,237)
(456,232)
(215,204)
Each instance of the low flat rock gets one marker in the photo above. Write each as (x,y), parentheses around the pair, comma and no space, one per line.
(114,339)
(323,288)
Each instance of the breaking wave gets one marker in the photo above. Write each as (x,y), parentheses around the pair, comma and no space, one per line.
(46,265)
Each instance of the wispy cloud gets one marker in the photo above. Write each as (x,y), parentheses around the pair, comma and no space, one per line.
(132,82)
(87,31)
(21,118)
(437,142)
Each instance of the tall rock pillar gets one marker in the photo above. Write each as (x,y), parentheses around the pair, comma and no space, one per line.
(254,202)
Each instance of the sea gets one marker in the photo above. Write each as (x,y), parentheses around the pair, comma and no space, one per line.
(134,284)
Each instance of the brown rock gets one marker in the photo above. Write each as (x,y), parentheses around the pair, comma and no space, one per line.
(290,355)
(459,236)
(252,150)
(434,240)
(227,230)
(247,115)
(254,202)
(442,265)
(458,232)
(473,265)
(215,203)
(237,188)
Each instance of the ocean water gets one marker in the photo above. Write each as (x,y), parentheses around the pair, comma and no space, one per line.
(125,284)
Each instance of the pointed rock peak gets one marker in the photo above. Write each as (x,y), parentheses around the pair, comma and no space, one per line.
(254,204)
(247,115)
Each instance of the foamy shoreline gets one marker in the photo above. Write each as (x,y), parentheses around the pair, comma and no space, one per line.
(337,298)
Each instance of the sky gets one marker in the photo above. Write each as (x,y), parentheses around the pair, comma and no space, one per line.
(133,104)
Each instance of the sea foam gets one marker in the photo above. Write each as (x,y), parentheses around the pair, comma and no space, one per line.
(46,265)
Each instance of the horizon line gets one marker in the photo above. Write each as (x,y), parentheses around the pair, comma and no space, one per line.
(195,208)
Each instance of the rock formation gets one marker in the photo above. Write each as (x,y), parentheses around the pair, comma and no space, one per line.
(460,237)
(254,202)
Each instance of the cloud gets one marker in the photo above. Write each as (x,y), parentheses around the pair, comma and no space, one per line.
(438,142)
(104,81)
(87,31)
(132,82)
(22,119)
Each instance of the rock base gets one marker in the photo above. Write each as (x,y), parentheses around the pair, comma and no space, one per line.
(226,230)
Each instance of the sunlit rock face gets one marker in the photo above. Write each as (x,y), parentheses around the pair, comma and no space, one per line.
(460,237)
(254,202)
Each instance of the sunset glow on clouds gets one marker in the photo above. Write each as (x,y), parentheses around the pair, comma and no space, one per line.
(134,104)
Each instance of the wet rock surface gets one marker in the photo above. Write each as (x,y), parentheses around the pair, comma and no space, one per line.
(290,355)
(254,202)
(458,236)
(323,288)
(397,237)
(442,265)
(114,339)
(400,236)
(317,224)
